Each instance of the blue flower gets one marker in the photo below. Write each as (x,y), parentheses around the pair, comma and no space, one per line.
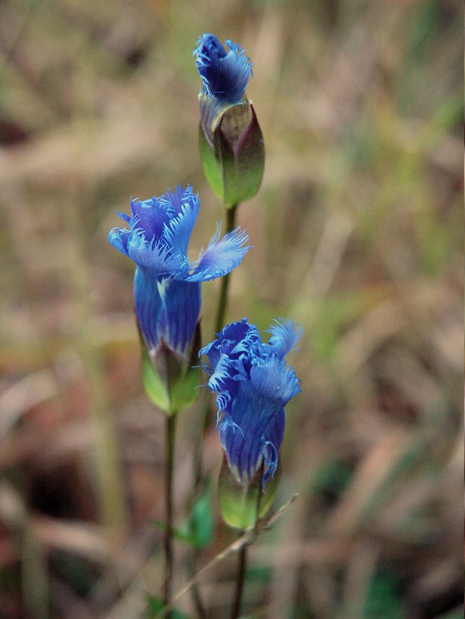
(166,284)
(224,78)
(224,74)
(253,385)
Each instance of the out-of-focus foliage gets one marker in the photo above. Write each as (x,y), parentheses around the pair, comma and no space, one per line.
(356,233)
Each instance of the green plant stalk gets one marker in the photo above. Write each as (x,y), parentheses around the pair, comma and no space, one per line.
(170,427)
(242,567)
(237,600)
(223,302)
(219,323)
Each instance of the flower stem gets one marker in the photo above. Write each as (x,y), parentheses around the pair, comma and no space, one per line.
(198,473)
(220,314)
(223,302)
(237,602)
(168,537)
(242,567)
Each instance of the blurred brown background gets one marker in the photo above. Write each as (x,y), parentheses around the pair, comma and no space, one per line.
(356,233)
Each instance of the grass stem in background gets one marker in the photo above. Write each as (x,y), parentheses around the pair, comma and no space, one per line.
(195,591)
(110,478)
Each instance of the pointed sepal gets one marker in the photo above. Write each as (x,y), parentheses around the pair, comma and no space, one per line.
(211,164)
(169,378)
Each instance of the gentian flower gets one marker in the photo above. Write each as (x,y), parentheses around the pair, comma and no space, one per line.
(224,79)
(253,384)
(231,141)
(166,284)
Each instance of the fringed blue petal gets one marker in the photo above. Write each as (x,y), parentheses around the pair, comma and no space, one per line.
(252,415)
(159,233)
(181,307)
(274,432)
(227,363)
(127,218)
(224,382)
(272,439)
(174,199)
(273,380)
(270,457)
(224,74)
(232,334)
(249,347)
(220,378)
(167,309)
(222,402)
(151,217)
(178,230)
(156,256)
(284,336)
(148,305)
(221,256)
(119,238)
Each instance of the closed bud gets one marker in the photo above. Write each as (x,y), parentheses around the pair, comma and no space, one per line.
(234,163)
(231,141)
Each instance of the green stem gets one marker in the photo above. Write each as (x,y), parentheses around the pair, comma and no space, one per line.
(198,473)
(237,602)
(219,323)
(168,537)
(223,302)
(242,567)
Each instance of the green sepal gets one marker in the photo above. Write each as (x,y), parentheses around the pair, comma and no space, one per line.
(243,158)
(169,378)
(154,387)
(185,390)
(234,164)
(238,503)
(211,165)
